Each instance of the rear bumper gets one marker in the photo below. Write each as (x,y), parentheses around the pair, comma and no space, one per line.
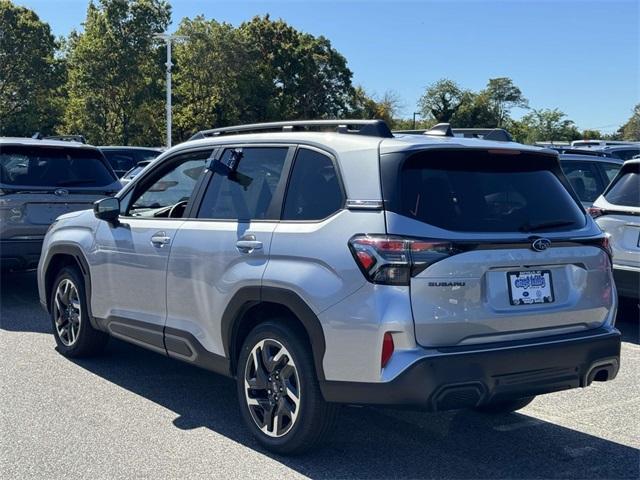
(20,254)
(457,378)
(627,281)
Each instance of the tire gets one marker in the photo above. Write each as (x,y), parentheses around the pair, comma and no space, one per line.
(285,370)
(505,406)
(72,330)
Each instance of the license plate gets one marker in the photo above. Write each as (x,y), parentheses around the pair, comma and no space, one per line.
(530,287)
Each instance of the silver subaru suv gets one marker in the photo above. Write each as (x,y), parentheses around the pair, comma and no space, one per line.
(329,262)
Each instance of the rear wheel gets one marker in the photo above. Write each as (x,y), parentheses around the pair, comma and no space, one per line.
(505,406)
(72,330)
(280,399)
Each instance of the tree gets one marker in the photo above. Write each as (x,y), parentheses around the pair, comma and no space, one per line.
(115,75)
(474,112)
(366,106)
(30,74)
(441,100)
(502,95)
(297,75)
(631,129)
(544,125)
(213,76)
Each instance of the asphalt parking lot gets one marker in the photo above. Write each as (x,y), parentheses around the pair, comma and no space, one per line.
(135,414)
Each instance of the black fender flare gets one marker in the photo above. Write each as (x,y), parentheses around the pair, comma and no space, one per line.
(247,297)
(77,254)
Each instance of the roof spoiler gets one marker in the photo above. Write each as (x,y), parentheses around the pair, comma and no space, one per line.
(371,128)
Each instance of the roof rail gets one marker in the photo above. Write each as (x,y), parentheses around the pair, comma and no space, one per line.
(372,128)
(445,130)
(65,138)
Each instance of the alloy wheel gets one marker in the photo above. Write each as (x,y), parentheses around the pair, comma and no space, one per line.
(67,312)
(272,388)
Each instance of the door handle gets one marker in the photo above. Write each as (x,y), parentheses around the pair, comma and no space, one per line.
(248,244)
(160,239)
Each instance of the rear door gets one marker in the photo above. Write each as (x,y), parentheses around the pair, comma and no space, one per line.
(513,267)
(225,244)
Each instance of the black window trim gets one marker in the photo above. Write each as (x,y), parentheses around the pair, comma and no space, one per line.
(276,202)
(336,167)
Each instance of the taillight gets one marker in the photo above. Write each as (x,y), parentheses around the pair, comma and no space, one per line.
(390,260)
(596,212)
(387,349)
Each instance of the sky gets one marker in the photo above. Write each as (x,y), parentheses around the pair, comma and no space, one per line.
(580,56)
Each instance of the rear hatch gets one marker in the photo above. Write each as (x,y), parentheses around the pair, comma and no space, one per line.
(40,183)
(500,248)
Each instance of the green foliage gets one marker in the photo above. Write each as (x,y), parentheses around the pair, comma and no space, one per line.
(502,95)
(115,75)
(543,125)
(263,70)
(631,129)
(30,75)
(441,100)
(364,106)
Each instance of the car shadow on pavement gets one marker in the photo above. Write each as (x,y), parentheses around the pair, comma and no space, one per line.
(378,443)
(20,309)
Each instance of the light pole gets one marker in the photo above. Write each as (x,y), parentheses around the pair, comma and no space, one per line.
(414,119)
(168,39)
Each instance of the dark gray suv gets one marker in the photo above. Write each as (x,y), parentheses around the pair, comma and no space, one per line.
(40,180)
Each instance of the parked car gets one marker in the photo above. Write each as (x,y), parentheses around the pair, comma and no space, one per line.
(598,143)
(344,266)
(589,174)
(123,159)
(39,180)
(617,212)
(623,152)
(130,175)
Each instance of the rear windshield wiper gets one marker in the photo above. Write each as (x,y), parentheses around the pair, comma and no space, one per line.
(541,226)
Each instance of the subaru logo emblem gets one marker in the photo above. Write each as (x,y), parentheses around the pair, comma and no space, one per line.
(541,244)
(61,192)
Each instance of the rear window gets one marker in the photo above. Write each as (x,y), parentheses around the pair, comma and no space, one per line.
(483,192)
(53,167)
(626,189)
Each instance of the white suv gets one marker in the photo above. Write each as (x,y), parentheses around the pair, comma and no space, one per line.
(344,266)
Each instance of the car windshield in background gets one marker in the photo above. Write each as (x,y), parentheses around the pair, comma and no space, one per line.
(53,167)
(123,160)
(626,190)
(493,193)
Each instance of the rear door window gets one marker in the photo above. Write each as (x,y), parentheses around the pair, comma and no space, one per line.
(477,191)
(53,167)
(247,193)
(583,177)
(314,190)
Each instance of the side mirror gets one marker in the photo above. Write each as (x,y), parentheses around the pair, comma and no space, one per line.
(107,209)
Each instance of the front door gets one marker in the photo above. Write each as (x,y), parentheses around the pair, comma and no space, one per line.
(130,258)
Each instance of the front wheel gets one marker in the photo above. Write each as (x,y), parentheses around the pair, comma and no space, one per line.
(72,329)
(280,399)
(505,406)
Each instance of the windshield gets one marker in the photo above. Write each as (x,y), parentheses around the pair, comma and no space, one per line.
(477,191)
(53,167)
(626,190)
